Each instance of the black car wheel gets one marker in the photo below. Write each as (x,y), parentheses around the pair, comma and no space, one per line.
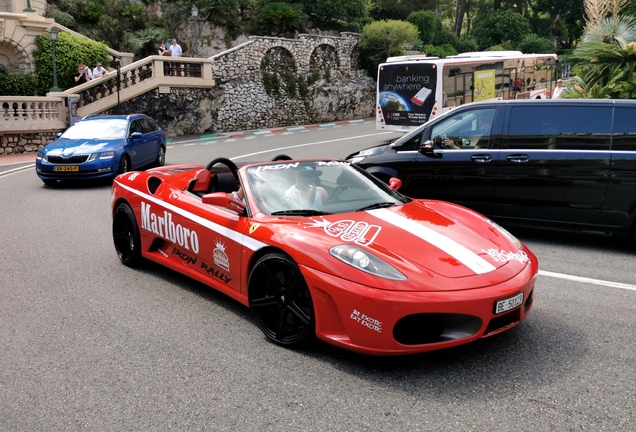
(126,236)
(280,300)
(124,164)
(161,156)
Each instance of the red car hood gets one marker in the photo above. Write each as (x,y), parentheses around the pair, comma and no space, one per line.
(426,236)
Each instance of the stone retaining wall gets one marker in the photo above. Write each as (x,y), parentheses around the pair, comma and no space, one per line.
(318,80)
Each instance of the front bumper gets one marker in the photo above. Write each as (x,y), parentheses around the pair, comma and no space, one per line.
(379,322)
(96,169)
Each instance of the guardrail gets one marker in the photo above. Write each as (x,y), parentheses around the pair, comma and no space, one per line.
(36,113)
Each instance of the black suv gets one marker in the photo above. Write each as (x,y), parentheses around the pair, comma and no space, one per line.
(564,163)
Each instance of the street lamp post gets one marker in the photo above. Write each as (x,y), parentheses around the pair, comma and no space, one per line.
(53,35)
(195,12)
(28,8)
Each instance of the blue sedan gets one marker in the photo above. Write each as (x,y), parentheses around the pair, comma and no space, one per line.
(102,146)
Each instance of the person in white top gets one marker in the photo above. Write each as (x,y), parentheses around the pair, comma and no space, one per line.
(558,90)
(99,71)
(305,194)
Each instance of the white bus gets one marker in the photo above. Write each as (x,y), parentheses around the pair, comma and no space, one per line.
(415,89)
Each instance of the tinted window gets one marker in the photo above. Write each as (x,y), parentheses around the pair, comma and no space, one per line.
(624,129)
(135,126)
(560,127)
(148,125)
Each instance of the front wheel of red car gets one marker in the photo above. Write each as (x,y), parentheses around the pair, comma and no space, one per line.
(126,236)
(280,300)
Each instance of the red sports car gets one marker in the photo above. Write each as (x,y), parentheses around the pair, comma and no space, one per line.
(321,248)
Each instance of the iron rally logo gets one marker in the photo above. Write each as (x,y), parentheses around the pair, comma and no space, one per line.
(163,226)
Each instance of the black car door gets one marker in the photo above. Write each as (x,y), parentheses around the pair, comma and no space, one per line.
(461,168)
(555,166)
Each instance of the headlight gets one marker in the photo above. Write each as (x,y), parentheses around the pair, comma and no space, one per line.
(365,261)
(41,155)
(506,233)
(107,155)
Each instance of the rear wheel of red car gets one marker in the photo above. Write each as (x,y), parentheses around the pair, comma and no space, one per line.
(280,300)
(124,164)
(126,236)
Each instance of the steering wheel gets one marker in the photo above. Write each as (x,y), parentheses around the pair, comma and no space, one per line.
(333,195)
(227,162)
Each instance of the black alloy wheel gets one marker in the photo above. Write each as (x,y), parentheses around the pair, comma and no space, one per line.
(126,236)
(280,300)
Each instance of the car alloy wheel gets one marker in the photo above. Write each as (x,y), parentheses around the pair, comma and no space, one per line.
(280,300)
(126,235)
(161,156)
(124,164)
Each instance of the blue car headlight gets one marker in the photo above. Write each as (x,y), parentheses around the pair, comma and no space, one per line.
(102,155)
(41,155)
(366,262)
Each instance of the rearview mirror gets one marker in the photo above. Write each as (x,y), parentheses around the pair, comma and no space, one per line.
(224,200)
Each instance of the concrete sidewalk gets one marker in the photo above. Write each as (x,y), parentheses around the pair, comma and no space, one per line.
(10,159)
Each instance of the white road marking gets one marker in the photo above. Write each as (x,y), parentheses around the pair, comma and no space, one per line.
(588,280)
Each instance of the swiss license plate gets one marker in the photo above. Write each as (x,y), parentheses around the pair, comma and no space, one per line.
(509,303)
(67,168)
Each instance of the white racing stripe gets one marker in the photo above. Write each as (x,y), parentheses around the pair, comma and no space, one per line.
(238,237)
(448,245)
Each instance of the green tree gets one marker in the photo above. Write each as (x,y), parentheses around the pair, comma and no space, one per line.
(278,19)
(426,23)
(328,11)
(500,27)
(382,39)
(533,43)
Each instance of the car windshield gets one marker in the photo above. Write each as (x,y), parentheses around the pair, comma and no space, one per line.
(317,188)
(97,129)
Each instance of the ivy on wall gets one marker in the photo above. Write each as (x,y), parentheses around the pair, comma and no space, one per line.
(70,50)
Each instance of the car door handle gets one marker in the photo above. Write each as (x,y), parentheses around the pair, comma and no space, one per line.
(518,158)
(481,158)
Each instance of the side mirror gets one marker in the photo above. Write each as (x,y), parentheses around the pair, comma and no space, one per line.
(427,147)
(224,200)
(136,135)
(59,134)
(395,183)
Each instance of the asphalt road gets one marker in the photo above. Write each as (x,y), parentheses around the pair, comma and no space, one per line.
(87,344)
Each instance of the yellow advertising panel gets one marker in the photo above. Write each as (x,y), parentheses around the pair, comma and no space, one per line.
(484,85)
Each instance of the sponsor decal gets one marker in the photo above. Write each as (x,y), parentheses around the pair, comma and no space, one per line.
(361,233)
(211,271)
(163,226)
(184,256)
(254,227)
(366,321)
(133,175)
(503,256)
(220,257)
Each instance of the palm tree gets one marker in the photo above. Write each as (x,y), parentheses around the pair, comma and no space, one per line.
(605,61)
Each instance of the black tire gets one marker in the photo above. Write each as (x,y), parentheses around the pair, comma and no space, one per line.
(124,164)
(49,182)
(161,156)
(126,236)
(280,300)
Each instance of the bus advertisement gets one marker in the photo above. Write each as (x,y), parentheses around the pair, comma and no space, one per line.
(412,90)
